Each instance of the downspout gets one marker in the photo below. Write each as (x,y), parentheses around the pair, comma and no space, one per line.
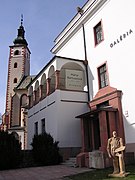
(86,62)
(80,11)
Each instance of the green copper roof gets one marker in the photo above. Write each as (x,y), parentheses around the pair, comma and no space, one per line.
(20,40)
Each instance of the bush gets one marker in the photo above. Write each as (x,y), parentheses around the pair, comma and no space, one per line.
(10,151)
(45,150)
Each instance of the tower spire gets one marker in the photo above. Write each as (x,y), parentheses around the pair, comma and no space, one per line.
(21,19)
(20,40)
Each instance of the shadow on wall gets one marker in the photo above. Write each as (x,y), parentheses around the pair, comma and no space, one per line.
(91,78)
(129,135)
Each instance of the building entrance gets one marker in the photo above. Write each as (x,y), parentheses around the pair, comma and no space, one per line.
(92,133)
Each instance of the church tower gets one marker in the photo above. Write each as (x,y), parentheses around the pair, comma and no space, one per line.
(18,68)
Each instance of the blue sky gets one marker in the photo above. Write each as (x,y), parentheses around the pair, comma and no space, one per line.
(43,21)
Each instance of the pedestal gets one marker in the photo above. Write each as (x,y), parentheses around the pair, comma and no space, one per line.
(119,175)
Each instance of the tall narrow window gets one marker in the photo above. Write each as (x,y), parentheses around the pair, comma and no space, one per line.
(15,80)
(102,75)
(43,126)
(15,65)
(98,33)
(36,128)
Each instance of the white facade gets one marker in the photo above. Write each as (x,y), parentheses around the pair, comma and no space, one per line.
(65,99)
(117,49)
(60,107)
(59,114)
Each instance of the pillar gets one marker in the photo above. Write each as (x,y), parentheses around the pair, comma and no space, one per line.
(83,135)
(103,130)
(48,86)
(112,122)
(31,100)
(121,132)
(57,79)
(34,97)
(40,92)
(92,135)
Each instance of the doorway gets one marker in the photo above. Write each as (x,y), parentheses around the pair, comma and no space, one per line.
(92,133)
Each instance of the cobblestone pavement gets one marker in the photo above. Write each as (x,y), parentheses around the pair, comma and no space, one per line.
(57,172)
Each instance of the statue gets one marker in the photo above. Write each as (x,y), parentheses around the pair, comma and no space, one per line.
(115,150)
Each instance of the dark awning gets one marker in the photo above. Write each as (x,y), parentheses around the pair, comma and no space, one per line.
(93,112)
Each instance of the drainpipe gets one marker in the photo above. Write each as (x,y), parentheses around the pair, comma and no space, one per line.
(86,62)
(80,11)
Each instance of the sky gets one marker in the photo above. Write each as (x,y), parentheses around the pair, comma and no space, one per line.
(43,20)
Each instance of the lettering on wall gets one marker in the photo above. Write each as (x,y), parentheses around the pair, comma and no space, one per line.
(121,38)
(74,80)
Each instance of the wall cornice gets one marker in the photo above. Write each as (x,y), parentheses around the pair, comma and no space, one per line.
(90,8)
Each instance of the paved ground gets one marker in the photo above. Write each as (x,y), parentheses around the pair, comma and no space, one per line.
(41,173)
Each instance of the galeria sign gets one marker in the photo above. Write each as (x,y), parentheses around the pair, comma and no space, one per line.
(121,38)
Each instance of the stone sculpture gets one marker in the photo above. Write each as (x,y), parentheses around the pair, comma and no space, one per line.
(115,150)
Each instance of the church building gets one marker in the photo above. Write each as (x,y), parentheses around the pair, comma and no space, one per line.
(15,117)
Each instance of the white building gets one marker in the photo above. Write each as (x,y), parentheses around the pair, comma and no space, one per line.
(103,33)
(86,91)
(56,97)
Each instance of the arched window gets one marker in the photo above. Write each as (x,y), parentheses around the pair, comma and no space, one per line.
(51,75)
(31,97)
(24,100)
(15,80)
(37,92)
(17,52)
(15,65)
(43,86)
